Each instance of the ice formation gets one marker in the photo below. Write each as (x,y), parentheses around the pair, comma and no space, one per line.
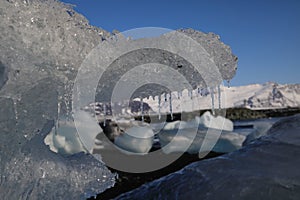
(219,97)
(142,109)
(265,169)
(206,120)
(181,134)
(212,95)
(136,140)
(43,44)
(159,102)
(64,140)
(218,122)
(254,96)
(227,142)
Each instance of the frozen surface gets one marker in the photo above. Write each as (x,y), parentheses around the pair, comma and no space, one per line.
(266,169)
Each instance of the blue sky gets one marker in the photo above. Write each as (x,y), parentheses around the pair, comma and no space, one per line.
(265,35)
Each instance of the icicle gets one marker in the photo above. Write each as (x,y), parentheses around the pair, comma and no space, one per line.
(166,97)
(142,109)
(58,116)
(178,94)
(219,96)
(190,93)
(104,114)
(159,99)
(171,111)
(212,100)
(228,83)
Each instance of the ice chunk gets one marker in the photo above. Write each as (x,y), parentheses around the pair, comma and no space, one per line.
(218,122)
(181,125)
(227,142)
(137,139)
(65,140)
(35,172)
(172,125)
(89,126)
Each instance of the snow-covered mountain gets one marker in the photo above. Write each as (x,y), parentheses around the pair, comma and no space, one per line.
(256,96)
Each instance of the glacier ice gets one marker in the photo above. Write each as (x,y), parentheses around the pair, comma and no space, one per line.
(268,168)
(118,68)
(64,140)
(135,140)
(43,44)
(32,171)
(227,142)
(218,122)
(181,135)
(41,48)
